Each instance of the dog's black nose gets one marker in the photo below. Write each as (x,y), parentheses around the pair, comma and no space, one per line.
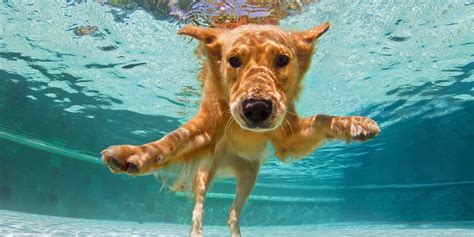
(257,110)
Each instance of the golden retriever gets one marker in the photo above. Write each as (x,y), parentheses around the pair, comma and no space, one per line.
(251,77)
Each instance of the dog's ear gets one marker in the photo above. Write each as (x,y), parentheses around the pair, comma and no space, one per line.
(208,36)
(304,41)
(309,36)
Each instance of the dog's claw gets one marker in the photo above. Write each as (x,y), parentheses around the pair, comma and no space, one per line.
(115,164)
(133,169)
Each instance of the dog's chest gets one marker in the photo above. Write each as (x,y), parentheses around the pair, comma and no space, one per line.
(245,144)
(234,154)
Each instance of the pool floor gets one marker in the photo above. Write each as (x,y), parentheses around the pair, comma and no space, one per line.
(16,223)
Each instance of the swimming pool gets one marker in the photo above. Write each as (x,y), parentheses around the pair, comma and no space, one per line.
(65,96)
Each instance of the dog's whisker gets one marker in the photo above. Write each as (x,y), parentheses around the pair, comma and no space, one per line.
(229,122)
(284,133)
(292,113)
(227,111)
(227,127)
(291,128)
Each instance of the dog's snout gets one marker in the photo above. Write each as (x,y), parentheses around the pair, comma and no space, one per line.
(257,110)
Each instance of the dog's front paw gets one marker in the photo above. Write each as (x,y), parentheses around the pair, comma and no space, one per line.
(363,129)
(356,128)
(133,160)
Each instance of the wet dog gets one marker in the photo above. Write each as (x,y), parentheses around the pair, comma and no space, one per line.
(252,77)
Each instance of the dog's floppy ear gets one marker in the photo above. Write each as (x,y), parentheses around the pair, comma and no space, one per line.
(304,41)
(208,36)
(309,36)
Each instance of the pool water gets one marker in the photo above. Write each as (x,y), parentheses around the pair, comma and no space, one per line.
(19,223)
(64,96)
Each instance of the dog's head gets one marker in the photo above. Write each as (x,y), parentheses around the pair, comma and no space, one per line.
(257,69)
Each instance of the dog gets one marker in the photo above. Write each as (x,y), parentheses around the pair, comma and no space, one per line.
(251,78)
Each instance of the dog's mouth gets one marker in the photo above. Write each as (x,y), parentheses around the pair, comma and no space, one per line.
(258,127)
(257,114)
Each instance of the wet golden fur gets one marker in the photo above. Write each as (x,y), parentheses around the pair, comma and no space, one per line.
(221,140)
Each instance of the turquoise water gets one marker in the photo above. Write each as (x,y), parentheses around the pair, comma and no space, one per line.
(407,64)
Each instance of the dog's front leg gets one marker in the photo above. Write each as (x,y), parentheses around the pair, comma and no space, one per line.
(302,136)
(139,160)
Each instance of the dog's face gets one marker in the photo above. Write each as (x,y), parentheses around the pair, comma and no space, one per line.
(258,69)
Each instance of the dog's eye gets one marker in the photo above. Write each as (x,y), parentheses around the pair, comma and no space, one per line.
(281,60)
(235,61)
